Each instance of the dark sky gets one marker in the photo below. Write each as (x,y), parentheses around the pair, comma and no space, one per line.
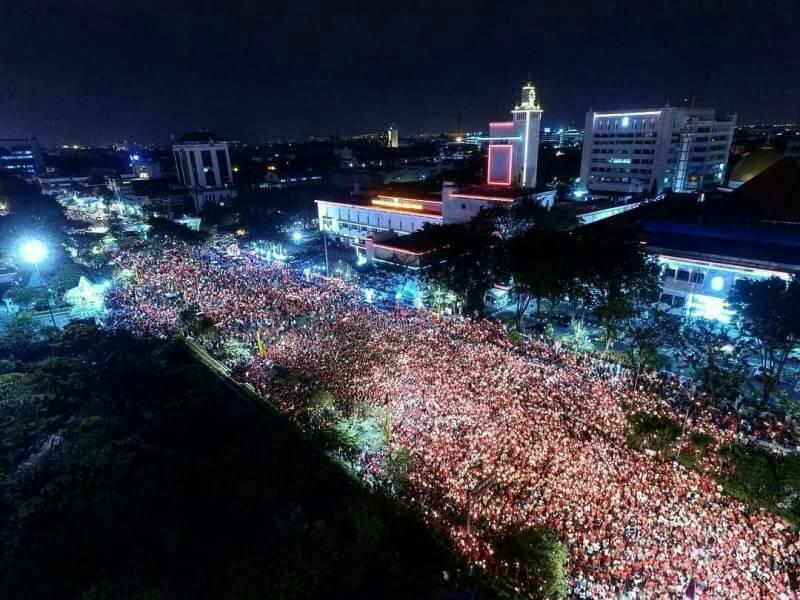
(95,71)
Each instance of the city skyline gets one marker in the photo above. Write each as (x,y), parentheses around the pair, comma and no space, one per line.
(94,73)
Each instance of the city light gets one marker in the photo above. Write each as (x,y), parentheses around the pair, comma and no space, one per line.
(717,283)
(297,237)
(33,251)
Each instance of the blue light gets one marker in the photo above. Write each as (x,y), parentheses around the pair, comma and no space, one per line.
(369,295)
(717,283)
(626,121)
(297,237)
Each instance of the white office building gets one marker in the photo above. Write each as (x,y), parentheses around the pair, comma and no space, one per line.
(649,151)
(204,168)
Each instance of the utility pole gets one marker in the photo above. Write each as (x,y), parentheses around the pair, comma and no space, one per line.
(325,243)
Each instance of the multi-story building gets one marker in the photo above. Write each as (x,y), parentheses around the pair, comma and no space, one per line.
(22,157)
(204,168)
(649,151)
(562,138)
(393,137)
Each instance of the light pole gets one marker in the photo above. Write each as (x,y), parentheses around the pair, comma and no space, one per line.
(34,252)
(325,243)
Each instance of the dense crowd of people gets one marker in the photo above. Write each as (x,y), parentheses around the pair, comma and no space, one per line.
(498,435)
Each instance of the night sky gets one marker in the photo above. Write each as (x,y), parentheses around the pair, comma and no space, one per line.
(95,71)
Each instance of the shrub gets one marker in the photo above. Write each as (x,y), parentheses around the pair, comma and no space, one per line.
(536,557)
(652,431)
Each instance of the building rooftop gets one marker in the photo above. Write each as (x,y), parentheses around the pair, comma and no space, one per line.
(501,191)
(200,136)
(425,240)
(389,203)
(759,221)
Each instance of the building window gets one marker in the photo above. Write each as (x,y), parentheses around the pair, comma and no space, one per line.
(697,277)
(669,273)
(463,207)
(682,275)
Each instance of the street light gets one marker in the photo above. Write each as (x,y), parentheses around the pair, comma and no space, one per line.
(34,252)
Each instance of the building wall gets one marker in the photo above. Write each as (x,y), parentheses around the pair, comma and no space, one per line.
(22,157)
(203,165)
(700,287)
(527,124)
(354,222)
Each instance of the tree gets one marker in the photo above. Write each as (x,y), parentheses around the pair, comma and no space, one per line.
(18,335)
(648,336)
(768,311)
(398,465)
(514,220)
(26,297)
(465,262)
(622,281)
(160,227)
(717,359)
(537,558)
(536,268)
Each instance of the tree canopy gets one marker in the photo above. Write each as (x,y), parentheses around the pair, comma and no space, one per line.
(769,312)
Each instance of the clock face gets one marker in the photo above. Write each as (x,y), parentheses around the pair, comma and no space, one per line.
(532,97)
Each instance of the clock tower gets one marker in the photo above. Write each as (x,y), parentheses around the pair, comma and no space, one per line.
(527,120)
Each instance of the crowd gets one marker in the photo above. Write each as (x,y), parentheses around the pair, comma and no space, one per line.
(497,436)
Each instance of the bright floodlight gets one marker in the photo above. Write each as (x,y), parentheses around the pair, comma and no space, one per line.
(297,237)
(34,251)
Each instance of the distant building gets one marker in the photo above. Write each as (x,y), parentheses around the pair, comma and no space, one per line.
(22,157)
(562,138)
(204,167)
(393,137)
(754,163)
(652,150)
(290,179)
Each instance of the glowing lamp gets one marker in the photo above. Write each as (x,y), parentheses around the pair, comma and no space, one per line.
(717,283)
(297,237)
(34,252)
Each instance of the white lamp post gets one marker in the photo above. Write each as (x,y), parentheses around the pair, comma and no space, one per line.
(34,252)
